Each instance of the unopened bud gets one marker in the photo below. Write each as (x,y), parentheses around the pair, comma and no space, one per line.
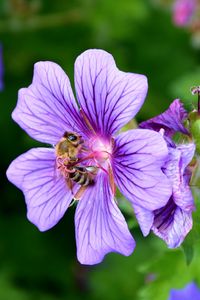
(195,90)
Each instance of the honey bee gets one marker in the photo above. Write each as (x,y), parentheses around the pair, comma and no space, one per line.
(69,146)
(67,151)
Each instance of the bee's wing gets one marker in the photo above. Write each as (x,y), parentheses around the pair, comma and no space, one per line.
(91,169)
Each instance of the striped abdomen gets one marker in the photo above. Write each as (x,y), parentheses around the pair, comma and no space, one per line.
(82,175)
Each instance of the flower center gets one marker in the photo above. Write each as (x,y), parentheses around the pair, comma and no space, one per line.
(79,161)
(100,149)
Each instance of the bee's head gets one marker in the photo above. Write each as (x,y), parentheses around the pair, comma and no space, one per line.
(73,138)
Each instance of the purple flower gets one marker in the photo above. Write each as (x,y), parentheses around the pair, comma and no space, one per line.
(173,221)
(191,291)
(183,11)
(1,68)
(132,160)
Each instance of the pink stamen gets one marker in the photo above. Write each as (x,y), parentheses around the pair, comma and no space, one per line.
(102,168)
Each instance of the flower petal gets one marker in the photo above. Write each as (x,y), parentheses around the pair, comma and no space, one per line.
(46,193)
(100,226)
(145,219)
(172,224)
(187,154)
(191,291)
(171,120)
(176,170)
(110,98)
(47,108)
(137,160)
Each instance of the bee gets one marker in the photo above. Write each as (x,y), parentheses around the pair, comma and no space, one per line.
(69,146)
(67,151)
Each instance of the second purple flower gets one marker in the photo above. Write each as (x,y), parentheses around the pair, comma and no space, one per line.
(173,221)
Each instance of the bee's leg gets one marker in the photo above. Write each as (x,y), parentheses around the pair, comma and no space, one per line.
(80,193)
(70,184)
(72,203)
(73,159)
(111,179)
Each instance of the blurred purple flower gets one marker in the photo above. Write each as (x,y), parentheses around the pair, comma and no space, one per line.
(173,221)
(132,160)
(183,11)
(190,292)
(1,68)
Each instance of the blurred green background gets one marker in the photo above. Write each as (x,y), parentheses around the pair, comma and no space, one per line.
(141,37)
